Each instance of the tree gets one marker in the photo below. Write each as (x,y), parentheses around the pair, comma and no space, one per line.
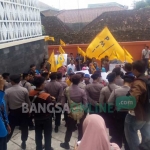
(141,4)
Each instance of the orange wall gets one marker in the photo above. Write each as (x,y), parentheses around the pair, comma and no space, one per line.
(135,48)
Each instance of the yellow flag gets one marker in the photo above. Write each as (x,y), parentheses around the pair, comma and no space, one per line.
(127,53)
(60,60)
(52,62)
(82,53)
(104,44)
(62,43)
(113,55)
(127,56)
(61,51)
(48,38)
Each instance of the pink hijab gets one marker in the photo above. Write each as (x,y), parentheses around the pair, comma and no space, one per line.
(95,135)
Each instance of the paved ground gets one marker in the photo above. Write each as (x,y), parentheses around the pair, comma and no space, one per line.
(57,138)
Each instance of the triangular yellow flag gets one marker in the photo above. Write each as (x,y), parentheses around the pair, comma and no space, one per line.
(82,53)
(61,51)
(48,38)
(52,62)
(104,44)
(127,56)
(62,43)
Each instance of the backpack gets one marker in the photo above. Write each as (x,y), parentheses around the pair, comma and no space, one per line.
(146,105)
(76,109)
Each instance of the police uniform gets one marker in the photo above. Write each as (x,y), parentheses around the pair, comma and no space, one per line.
(77,95)
(43,120)
(119,117)
(93,93)
(55,89)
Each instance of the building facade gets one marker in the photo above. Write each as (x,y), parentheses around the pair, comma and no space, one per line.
(19,19)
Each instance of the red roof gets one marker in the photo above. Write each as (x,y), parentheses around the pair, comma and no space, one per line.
(84,15)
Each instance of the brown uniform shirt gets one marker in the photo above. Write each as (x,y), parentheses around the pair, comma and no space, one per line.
(15,96)
(77,95)
(64,84)
(105,92)
(93,92)
(55,89)
(119,81)
(122,91)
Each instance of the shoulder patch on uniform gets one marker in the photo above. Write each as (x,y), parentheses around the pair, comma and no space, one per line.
(33,93)
(44,96)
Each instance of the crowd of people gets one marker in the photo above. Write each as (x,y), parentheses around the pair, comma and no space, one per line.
(33,99)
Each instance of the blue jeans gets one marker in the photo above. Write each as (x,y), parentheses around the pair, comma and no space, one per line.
(131,127)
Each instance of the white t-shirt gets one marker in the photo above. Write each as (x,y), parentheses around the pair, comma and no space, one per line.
(73,67)
(146,53)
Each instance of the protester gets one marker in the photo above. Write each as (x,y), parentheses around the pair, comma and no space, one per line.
(128,69)
(4,123)
(68,80)
(43,68)
(69,58)
(118,80)
(71,66)
(15,97)
(79,61)
(63,70)
(43,119)
(87,79)
(33,70)
(119,116)
(6,79)
(85,67)
(95,135)
(138,119)
(82,84)
(91,68)
(145,55)
(93,93)
(103,69)
(106,63)
(55,89)
(25,83)
(74,96)
(96,66)
(59,79)
(45,75)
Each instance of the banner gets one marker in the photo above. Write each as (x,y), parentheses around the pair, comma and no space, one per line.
(104,44)
(65,59)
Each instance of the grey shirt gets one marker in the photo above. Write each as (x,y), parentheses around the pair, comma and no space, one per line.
(93,92)
(77,95)
(82,85)
(26,85)
(64,84)
(105,92)
(55,89)
(119,81)
(15,96)
(122,91)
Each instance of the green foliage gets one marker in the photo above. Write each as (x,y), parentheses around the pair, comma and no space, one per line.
(140,4)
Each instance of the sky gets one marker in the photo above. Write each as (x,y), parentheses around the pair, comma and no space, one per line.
(75,4)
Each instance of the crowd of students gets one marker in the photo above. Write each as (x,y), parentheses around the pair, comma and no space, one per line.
(26,95)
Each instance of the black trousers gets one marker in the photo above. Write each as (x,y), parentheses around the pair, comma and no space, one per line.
(117,130)
(94,110)
(17,118)
(146,63)
(72,126)
(58,115)
(3,143)
(30,121)
(46,126)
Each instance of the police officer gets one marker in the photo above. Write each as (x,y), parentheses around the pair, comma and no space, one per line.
(55,89)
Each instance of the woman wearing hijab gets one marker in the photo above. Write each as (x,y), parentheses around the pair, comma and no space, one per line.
(95,135)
